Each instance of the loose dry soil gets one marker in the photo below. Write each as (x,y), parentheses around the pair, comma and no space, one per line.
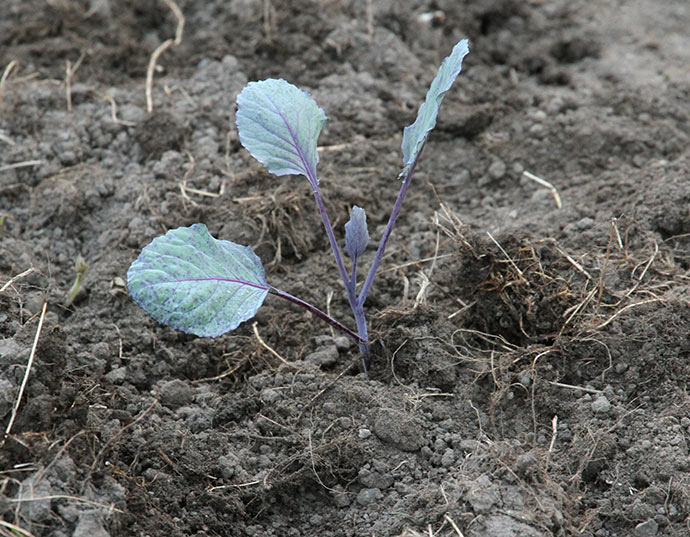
(531,363)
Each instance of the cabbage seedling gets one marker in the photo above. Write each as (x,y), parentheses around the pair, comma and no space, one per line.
(195,283)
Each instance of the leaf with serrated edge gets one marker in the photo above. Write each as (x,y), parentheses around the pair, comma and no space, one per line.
(356,233)
(279,124)
(416,134)
(192,282)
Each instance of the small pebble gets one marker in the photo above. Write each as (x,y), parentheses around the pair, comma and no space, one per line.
(526,465)
(648,528)
(90,524)
(525,378)
(448,458)
(399,429)
(601,405)
(101,350)
(343,343)
(322,341)
(579,226)
(7,395)
(462,177)
(117,376)
(537,131)
(621,368)
(369,496)
(554,106)
(639,161)
(483,495)
(374,480)
(175,393)
(324,357)
(269,396)
(51,318)
(497,169)
(538,115)
(340,497)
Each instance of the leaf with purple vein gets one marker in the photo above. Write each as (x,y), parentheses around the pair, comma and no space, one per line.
(279,124)
(190,281)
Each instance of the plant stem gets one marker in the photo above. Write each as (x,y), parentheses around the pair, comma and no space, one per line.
(362,336)
(316,311)
(349,288)
(361,320)
(331,236)
(387,232)
(349,282)
(360,317)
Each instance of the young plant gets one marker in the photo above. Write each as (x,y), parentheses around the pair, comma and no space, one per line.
(195,283)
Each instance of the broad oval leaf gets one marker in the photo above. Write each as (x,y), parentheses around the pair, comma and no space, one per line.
(356,233)
(192,282)
(279,124)
(415,135)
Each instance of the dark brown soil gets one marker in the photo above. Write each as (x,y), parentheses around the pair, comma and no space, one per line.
(531,363)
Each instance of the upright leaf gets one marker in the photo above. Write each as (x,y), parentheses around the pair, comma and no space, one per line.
(279,124)
(195,283)
(415,135)
(356,233)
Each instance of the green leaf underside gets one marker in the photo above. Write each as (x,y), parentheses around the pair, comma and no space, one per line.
(192,282)
(416,134)
(279,124)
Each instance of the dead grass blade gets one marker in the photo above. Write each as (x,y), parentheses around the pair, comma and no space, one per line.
(23,164)
(629,306)
(25,380)
(15,278)
(546,184)
(70,70)
(113,112)
(454,525)
(110,508)
(574,263)
(269,349)
(508,258)
(6,74)
(165,45)
(14,530)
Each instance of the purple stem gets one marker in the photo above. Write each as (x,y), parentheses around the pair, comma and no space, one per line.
(387,233)
(362,336)
(310,173)
(349,286)
(350,283)
(331,239)
(360,317)
(361,320)
(316,311)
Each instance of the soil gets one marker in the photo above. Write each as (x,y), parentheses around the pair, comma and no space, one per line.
(530,362)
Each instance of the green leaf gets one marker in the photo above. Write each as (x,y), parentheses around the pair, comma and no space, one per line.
(415,135)
(356,233)
(192,282)
(279,124)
